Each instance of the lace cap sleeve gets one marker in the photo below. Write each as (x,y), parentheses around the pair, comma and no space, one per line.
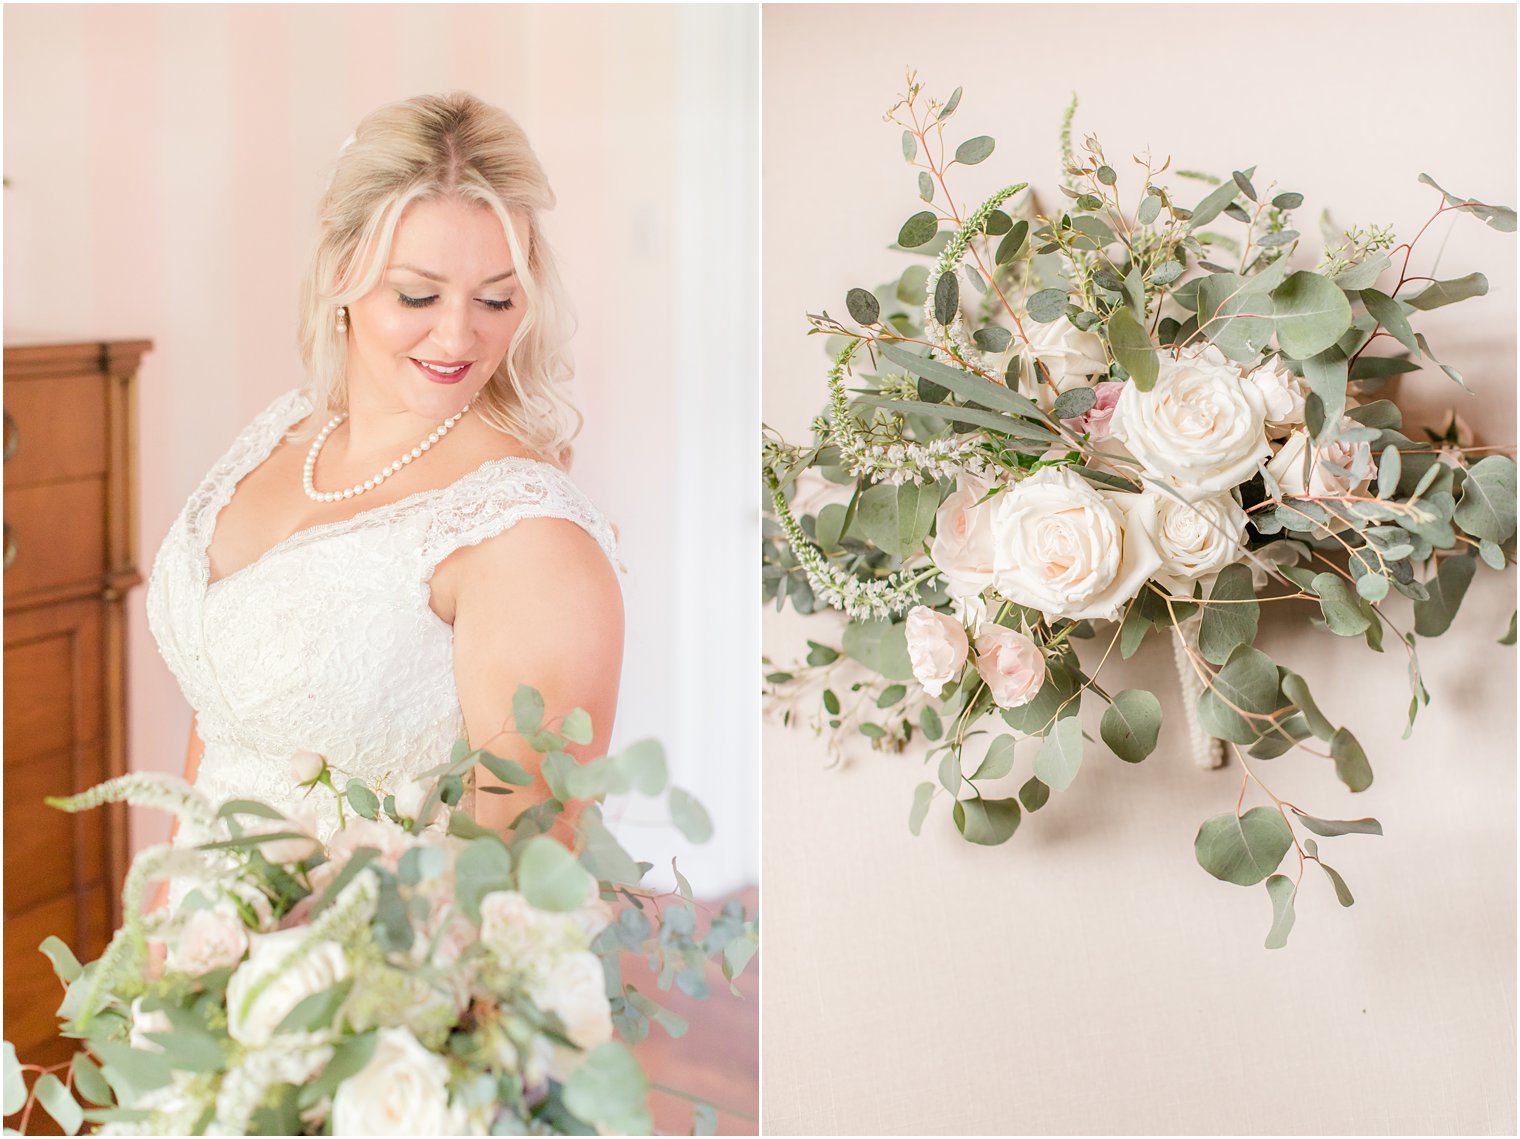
(501,494)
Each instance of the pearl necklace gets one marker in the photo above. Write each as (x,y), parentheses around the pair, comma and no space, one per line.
(385,472)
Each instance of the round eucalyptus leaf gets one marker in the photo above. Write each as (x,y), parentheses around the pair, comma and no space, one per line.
(1310,313)
(1074,402)
(550,877)
(974,150)
(1107,175)
(863,306)
(987,822)
(1288,201)
(1034,794)
(1243,849)
(925,186)
(997,223)
(909,146)
(918,230)
(1047,305)
(1231,616)
(911,286)
(1281,890)
(1131,724)
(608,1088)
(1060,756)
(992,338)
(1148,210)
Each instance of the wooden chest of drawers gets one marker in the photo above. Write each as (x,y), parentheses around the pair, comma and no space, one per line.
(70,557)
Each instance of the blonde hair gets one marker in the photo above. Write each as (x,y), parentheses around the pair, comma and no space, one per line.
(440,147)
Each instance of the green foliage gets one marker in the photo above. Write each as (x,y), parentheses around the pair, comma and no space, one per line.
(1282,892)
(1060,756)
(987,822)
(1243,849)
(609,1090)
(1131,724)
(1231,617)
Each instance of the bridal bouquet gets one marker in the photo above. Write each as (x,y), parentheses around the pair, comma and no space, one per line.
(1141,412)
(416,974)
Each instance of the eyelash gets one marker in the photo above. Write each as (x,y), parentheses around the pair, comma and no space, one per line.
(423,302)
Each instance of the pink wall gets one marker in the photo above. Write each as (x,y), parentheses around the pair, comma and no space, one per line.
(166,162)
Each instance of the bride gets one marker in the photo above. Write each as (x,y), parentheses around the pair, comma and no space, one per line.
(385,553)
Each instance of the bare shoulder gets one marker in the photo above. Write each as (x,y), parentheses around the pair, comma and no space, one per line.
(538,566)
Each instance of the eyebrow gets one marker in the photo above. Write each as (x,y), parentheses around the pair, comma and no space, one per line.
(436,277)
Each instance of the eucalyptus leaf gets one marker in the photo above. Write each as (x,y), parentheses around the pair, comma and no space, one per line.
(1132,347)
(608,1089)
(691,818)
(1034,794)
(998,761)
(15,1085)
(923,794)
(987,822)
(974,150)
(550,877)
(1060,755)
(1388,313)
(881,646)
(1231,616)
(965,385)
(1325,374)
(1434,616)
(1047,305)
(1342,613)
(1013,242)
(1439,293)
(1243,849)
(918,230)
(1296,689)
(1487,506)
(947,298)
(1310,313)
(527,709)
(1213,204)
(1501,218)
(1330,828)
(1351,766)
(863,306)
(897,519)
(1131,724)
(1281,890)
(59,1103)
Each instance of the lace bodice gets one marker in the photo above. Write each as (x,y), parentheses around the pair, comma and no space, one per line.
(327,642)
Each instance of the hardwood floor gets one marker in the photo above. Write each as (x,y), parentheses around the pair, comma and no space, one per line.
(718,1058)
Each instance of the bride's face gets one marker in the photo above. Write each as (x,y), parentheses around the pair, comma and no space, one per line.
(430,335)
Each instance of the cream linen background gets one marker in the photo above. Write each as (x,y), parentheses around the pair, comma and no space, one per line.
(166,163)
(1088,977)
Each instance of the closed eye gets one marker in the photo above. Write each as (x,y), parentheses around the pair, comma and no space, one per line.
(423,302)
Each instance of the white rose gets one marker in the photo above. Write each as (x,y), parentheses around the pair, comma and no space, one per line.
(1201,428)
(390,839)
(1196,539)
(1070,549)
(403,1090)
(936,648)
(144,1023)
(1282,395)
(409,797)
(1011,664)
(211,939)
(962,546)
(523,936)
(306,767)
(291,981)
(1300,474)
(1070,357)
(575,990)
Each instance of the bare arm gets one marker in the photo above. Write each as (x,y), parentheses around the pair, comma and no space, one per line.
(195,747)
(537,605)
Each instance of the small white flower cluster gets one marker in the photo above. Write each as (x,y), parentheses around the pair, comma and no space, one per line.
(907,461)
(953,338)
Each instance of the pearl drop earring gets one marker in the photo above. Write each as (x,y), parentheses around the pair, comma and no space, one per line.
(342,319)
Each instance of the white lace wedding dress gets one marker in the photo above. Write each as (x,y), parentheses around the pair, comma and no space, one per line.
(327,643)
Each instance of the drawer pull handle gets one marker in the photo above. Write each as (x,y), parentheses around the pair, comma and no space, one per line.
(12,437)
(10,546)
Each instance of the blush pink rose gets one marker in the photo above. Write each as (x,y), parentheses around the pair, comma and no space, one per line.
(937,648)
(1094,421)
(962,546)
(1011,665)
